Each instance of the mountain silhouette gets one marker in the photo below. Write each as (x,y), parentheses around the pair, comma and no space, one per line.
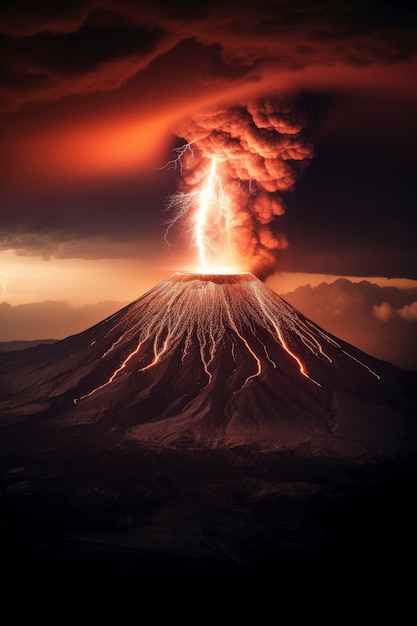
(214,360)
(208,422)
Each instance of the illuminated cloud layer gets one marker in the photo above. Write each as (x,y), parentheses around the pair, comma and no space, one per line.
(381,320)
(93,93)
(56,50)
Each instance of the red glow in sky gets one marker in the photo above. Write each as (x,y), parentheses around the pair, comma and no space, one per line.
(96,95)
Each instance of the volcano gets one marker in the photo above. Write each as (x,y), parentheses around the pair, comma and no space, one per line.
(206,422)
(218,361)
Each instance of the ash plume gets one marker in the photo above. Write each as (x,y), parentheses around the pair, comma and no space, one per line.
(262,147)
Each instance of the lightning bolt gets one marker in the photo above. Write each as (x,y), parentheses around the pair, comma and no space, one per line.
(210,225)
(201,218)
(181,152)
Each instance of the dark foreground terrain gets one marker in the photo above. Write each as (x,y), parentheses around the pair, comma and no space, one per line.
(100,521)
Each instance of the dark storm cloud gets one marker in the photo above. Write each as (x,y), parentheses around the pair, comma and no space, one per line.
(52,50)
(64,244)
(115,218)
(100,52)
(65,64)
(353,212)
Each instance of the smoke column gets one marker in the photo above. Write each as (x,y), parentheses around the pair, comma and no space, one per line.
(260,150)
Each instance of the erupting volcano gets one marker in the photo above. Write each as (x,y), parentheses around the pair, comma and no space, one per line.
(209,419)
(214,360)
(206,425)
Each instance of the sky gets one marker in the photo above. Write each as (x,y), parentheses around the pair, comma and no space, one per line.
(96,96)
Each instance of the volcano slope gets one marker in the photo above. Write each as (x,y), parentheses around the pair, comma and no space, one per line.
(207,422)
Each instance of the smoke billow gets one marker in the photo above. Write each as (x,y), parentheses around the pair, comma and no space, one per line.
(262,148)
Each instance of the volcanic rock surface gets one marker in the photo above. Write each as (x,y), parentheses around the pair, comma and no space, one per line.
(208,422)
(213,360)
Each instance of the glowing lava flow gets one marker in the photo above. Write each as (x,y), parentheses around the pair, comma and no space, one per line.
(214,313)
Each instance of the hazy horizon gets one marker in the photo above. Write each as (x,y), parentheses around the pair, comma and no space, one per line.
(380,319)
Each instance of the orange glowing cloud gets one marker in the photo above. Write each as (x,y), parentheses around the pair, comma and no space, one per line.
(97,89)
(236,163)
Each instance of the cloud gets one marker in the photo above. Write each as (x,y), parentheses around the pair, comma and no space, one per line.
(259,150)
(61,244)
(88,57)
(381,321)
(52,52)
(50,319)
(115,217)
(92,89)
(409,312)
(386,312)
